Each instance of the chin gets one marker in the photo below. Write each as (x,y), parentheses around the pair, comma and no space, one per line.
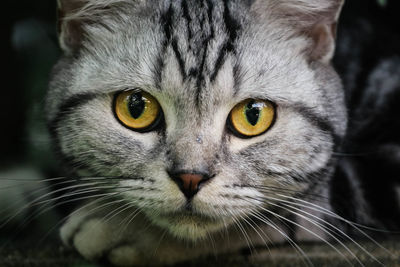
(188,226)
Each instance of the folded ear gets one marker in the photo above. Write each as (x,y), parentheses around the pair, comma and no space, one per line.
(315,19)
(70,27)
(74,15)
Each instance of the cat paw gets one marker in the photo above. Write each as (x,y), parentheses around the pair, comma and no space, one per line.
(91,238)
(97,240)
(108,240)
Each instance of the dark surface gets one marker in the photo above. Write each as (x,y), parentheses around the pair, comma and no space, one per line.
(51,255)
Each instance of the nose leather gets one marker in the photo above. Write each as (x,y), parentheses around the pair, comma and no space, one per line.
(189,182)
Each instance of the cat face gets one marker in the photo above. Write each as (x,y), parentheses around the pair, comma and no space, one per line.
(198,60)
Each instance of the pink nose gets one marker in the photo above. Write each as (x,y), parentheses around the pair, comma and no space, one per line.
(189,182)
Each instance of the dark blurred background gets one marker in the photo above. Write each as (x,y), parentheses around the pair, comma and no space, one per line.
(30,49)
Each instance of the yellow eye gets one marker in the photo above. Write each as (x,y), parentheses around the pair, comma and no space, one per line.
(137,110)
(252,117)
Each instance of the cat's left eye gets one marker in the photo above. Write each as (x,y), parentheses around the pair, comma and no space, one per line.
(251,118)
(137,110)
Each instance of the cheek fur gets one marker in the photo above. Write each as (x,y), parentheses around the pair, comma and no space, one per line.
(92,136)
(292,146)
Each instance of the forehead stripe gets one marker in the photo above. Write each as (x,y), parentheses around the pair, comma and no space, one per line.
(167,22)
(232,27)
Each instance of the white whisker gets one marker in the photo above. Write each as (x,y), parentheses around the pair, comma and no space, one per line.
(304,228)
(325,211)
(269,222)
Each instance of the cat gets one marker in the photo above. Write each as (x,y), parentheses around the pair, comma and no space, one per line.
(187,121)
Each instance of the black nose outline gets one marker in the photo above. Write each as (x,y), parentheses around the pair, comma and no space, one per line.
(190,182)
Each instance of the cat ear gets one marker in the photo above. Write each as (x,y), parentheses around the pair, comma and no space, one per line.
(74,15)
(315,19)
(70,26)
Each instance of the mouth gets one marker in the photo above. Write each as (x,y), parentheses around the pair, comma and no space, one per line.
(189,215)
(188,225)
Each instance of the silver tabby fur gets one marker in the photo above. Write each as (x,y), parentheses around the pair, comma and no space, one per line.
(198,59)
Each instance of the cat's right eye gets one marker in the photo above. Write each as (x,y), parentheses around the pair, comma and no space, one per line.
(137,110)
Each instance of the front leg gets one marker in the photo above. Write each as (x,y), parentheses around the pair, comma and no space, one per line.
(122,238)
(128,238)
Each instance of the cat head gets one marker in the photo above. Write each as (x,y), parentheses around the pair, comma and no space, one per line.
(199,112)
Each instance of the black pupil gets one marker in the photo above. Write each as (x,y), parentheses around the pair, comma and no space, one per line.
(136,105)
(253,112)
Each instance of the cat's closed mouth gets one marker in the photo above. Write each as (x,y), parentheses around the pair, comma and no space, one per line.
(188,225)
(186,215)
